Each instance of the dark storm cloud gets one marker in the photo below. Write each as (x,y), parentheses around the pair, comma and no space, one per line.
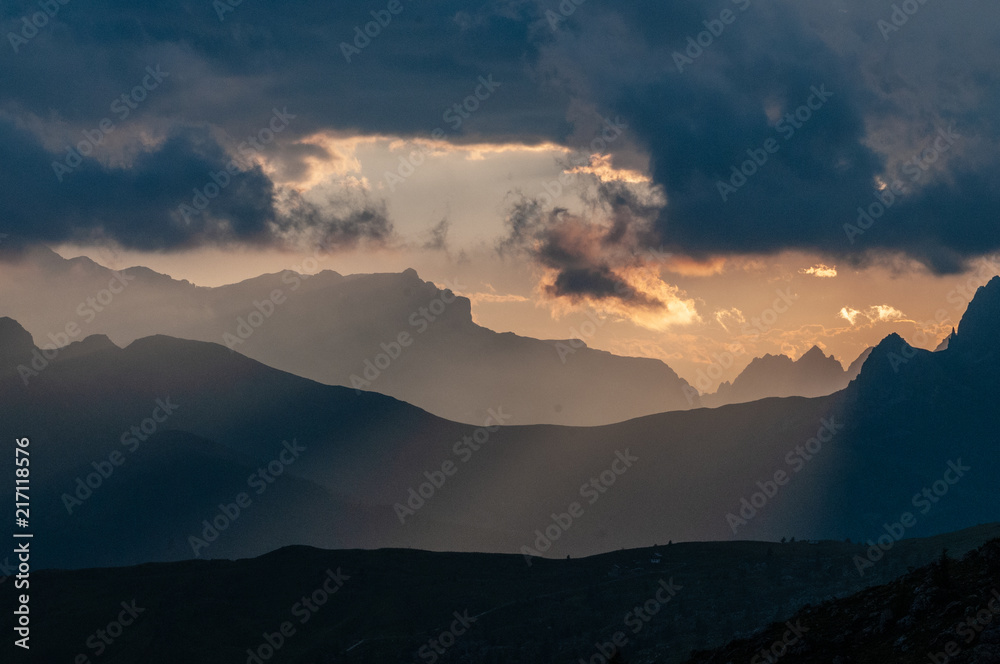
(140,205)
(737,91)
(890,91)
(231,72)
(586,255)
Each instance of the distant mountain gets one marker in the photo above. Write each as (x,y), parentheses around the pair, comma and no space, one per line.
(946,341)
(389,333)
(387,605)
(378,472)
(812,375)
(855,367)
(946,611)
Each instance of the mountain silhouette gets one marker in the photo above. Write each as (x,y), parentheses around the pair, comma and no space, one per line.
(812,375)
(390,333)
(380,472)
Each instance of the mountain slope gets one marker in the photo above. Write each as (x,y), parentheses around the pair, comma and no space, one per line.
(831,467)
(948,611)
(390,333)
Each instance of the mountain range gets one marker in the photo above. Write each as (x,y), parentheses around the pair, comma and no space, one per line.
(815,374)
(913,435)
(390,333)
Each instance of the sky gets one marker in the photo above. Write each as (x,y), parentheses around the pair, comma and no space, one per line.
(700,182)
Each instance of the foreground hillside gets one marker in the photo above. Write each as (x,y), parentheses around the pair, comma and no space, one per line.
(945,612)
(387,606)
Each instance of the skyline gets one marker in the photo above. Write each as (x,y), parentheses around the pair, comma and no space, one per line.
(796,310)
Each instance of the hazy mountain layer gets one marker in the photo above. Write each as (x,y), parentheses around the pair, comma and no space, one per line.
(812,375)
(389,333)
(908,449)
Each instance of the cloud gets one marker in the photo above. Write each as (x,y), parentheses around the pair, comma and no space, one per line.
(139,205)
(850,315)
(746,88)
(821,271)
(890,98)
(729,318)
(599,260)
(495,298)
(884,312)
(438,236)
(877,313)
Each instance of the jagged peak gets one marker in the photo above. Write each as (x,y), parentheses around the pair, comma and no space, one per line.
(981,322)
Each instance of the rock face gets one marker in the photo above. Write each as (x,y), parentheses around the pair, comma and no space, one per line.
(979,329)
(812,375)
